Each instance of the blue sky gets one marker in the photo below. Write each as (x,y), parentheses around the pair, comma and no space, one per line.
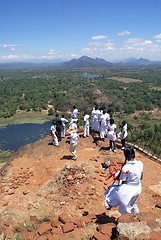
(58,30)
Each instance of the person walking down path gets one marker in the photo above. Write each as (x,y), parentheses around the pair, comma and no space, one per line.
(73,142)
(86,125)
(53,135)
(126,193)
(58,126)
(123,134)
(111,135)
(64,122)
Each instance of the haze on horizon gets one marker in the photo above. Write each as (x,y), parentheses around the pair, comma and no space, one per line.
(60,30)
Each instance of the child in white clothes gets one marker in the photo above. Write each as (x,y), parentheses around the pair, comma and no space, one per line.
(123,134)
(73,142)
(86,125)
(53,135)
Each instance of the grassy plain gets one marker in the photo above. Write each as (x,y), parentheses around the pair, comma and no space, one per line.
(125,80)
(26,117)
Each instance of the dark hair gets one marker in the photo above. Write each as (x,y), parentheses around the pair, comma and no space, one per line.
(112,121)
(123,123)
(62,116)
(129,153)
(74,107)
(57,115)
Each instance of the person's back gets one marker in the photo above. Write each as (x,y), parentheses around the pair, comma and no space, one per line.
(133,170)
(58,121)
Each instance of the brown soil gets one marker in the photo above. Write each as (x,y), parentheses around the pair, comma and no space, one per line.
(43,179)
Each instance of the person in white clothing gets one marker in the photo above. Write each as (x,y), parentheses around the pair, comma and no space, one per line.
(75,112)
(92,123)
(126,193)
(103,125)
(64,122)
(53,135)
(86,125)
(73,142)
(73,123)
(112,134)
(123,134)
(97,119)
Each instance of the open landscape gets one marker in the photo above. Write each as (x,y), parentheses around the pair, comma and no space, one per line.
(45,194)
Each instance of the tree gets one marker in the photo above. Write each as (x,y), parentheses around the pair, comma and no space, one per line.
(50,112)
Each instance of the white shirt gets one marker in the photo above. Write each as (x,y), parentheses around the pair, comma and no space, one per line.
(111,133)
(124,130)
(53,128)
(64,121)
(131,172)
(86,119)
(73,138)
(75,112)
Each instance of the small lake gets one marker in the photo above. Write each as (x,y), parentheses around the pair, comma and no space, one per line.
(87,75)
(14,136)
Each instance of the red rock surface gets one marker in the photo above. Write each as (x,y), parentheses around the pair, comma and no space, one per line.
(58,198)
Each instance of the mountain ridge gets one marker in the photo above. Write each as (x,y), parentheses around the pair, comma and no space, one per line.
(83,61)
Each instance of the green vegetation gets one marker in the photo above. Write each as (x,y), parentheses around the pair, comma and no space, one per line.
(131,93)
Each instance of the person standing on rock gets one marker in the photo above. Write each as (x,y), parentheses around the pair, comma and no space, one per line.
(53,135)
(126,193)
(58,126)
(123,134)
(64,122)
(73,142)
(86,125)
(75,112)
(112,134)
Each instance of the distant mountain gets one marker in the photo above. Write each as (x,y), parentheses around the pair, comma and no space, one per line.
(85,61)
(81,62)
(140,61)
(24,65)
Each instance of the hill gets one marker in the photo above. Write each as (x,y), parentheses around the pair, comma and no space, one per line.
(85,61)
(138,62)
(47,195)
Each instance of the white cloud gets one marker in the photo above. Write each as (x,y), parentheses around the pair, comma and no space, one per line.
(13,49)
(10,45)
(99,37)
(10,57)
(124,33)
(158,36)
(159,40)
(74,56)
(134,40)
(52,52)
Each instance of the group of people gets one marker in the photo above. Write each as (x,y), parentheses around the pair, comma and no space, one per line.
(126,192)
(104,124)
(101,122)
